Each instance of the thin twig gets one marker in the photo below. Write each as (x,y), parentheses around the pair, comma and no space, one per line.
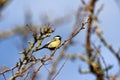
(36,71)
(105,65)
(7,70)
(26,75)
(59,70)
(106,44)
(4,76)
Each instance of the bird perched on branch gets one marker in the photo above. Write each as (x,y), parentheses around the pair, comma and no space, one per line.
(53,44)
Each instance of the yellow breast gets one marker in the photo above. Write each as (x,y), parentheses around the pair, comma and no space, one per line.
(54,44)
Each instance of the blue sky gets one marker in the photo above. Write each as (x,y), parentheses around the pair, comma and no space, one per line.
(13,15)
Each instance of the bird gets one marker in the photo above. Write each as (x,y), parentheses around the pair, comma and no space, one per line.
(53,44)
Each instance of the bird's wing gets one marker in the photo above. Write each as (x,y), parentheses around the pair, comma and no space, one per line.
(48,43)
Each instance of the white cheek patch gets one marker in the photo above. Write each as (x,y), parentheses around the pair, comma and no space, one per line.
(57,37)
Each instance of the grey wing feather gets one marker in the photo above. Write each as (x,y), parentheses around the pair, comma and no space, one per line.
(45,46)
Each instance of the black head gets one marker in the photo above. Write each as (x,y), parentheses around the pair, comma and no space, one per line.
(57,36)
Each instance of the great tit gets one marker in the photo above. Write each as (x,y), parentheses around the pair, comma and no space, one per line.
(54,43)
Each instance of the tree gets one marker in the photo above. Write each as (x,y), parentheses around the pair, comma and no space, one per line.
(29,65)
